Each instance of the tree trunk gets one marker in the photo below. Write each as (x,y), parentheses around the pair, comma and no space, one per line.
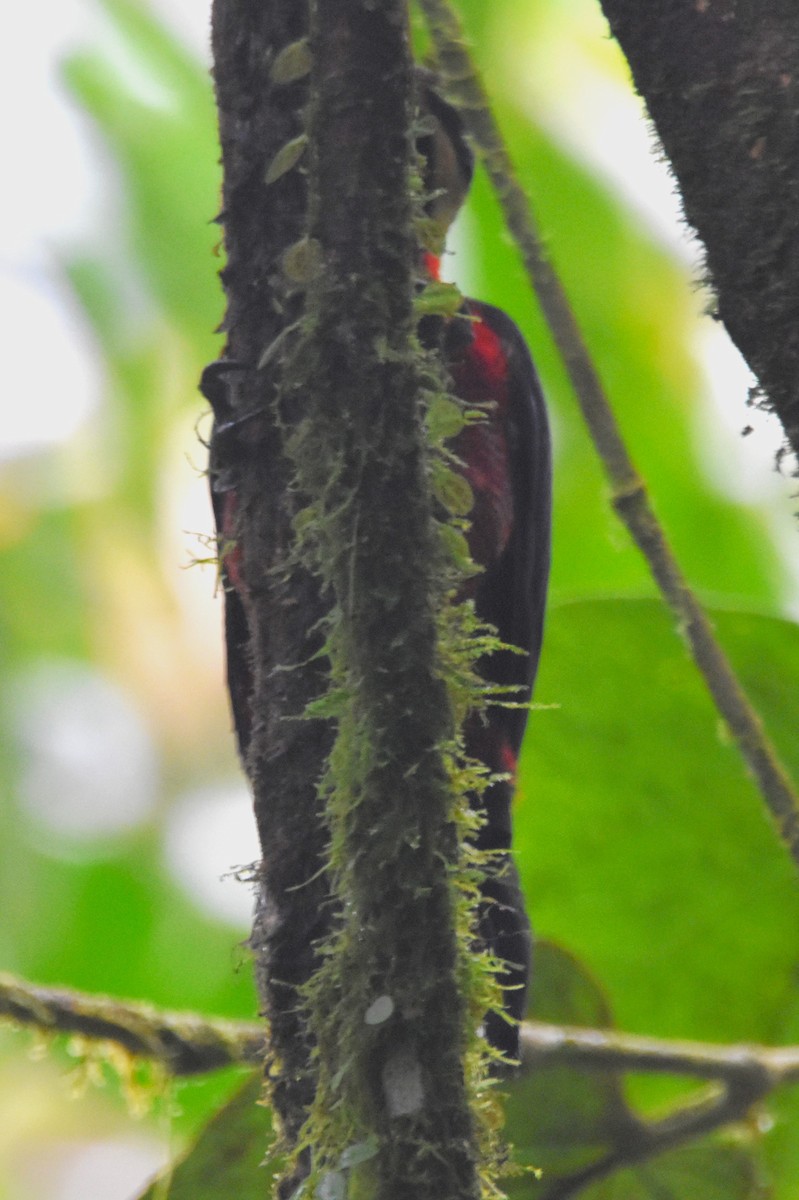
(257,117)
(360,936)
(721,81)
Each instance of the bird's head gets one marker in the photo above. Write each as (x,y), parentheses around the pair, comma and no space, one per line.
(447,160)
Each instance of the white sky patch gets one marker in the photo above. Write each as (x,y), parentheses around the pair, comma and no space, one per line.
(123,61)
(210,832)
(744,467)
(46,154)
(112,1168)
(190,21)
(65,194)
(90,768)
(606,126)
(51,378)
(573,78)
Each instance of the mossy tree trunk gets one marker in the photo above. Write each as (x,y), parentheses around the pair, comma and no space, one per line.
(721,81)
(256,117)
(345,567)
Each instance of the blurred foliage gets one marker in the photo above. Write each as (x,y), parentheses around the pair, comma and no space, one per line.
(642,843)
(232,1146)
(561,1121)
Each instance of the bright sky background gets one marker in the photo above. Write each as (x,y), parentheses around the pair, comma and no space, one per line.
(62,190)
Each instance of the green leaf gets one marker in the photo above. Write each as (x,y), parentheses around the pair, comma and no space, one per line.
(712,1171)
(642,843)
(559,1119)
(438,299)
(292,63)
(451,489)
(286,158)
(444,418)
(229,1158)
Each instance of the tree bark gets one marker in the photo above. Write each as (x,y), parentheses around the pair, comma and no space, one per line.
(388,1005)
(361,934)
(259,115)
(721,81)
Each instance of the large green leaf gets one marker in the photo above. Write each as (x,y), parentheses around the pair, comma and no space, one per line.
(642,843)
(712,1171)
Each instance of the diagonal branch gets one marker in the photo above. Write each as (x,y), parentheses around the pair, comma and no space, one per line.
(182,1043)
(746,1075)
(742,1076)
(629,494)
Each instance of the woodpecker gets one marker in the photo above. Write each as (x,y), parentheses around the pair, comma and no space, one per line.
(506,459)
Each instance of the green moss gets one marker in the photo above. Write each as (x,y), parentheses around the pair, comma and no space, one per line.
(382,517)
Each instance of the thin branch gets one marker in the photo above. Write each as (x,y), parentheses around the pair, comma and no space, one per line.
(643,1141)
(188,1044)
(183,1043)
(747,1074)
(629,494)
(743,1068)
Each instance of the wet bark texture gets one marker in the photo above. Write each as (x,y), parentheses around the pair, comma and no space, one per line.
(325,423)
(257,117)
(354,387)
(721,81)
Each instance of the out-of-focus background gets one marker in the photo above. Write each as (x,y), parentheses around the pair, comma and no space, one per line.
(124,815)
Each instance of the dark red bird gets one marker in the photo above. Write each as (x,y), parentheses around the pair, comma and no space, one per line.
(506,460)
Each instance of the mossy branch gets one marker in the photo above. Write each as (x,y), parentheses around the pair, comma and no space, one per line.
(187,1044)
(629,494)
(262,93)
(182,1043)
